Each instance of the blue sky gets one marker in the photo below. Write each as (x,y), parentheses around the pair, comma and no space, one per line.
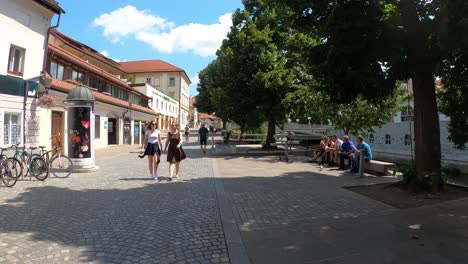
(185,33)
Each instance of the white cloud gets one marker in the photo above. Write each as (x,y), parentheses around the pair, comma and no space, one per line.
(200,39)
(193,86)
(106,54)
(128,20)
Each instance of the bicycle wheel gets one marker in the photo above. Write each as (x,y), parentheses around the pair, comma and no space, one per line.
(18,167)
(7,173)
(61,166)
(39,169)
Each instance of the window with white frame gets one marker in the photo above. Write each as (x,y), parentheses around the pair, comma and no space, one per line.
(148,80)
(16,60)
(388,139)
(11,129)
(371,138)
(171,81)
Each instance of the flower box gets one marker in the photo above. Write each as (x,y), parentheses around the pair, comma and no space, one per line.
(46,100)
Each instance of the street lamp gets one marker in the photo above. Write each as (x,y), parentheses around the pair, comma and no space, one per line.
(309,118)
(297,120)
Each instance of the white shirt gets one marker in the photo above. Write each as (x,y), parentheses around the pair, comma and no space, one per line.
(338,143)
(153,136)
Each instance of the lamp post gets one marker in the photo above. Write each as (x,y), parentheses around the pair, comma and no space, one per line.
(297,120)
(309,118)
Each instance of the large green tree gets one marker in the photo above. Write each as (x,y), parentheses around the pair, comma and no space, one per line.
(454,73)
(368,45)
(264,32)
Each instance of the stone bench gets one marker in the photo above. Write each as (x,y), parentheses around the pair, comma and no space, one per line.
(247,148)
(381,167)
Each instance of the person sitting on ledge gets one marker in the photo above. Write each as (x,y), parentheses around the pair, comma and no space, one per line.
(361,146)
(346,153)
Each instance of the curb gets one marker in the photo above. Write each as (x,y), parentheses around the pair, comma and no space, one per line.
(235,246)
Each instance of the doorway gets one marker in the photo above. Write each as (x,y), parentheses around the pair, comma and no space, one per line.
(112,131)
(56,128)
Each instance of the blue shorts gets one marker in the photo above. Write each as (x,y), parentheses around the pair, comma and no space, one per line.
(203,141)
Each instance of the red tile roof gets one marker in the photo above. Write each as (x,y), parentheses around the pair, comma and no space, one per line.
(67,87)
(149,66)
(85,49)
(206,116)
(192,102)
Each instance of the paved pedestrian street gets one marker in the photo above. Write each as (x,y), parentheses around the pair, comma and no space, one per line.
(115,215)
(225,208)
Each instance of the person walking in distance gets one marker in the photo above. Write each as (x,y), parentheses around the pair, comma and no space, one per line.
(203,137)
(173,148)
(187,133)
(151,148)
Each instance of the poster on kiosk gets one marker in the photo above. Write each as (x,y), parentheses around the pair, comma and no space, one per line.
(81,132)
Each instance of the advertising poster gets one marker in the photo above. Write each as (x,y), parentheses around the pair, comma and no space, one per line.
(79,127)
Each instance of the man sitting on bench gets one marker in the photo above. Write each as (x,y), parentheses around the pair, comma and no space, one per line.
(346,153)
(361,146)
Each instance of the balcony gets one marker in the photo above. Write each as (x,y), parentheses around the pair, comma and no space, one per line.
(15,86)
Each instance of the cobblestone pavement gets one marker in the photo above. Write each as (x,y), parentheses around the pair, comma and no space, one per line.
(115,215)
(267,193)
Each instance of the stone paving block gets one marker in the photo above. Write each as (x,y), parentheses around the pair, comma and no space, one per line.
(115,215)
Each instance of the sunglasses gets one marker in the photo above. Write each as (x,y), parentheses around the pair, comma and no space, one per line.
(153,124)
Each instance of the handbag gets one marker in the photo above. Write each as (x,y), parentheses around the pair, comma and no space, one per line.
(182,154)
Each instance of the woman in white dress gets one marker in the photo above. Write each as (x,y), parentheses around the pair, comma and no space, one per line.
(151,148)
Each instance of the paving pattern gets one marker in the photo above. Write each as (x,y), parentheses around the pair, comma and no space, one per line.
(270,194)
(115,215)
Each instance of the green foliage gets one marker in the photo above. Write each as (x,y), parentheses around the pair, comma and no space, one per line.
(453,96)
(415,182)
(357,116)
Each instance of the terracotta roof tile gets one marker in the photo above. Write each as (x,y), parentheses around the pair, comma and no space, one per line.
(192,102)
(67,87)
(206,116)
(149,66)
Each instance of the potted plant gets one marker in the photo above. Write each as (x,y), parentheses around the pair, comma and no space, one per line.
(47,100)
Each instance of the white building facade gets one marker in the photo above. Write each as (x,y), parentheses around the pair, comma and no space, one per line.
(24,25)
(167,78)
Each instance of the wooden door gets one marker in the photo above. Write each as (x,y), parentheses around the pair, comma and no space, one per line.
(57,128)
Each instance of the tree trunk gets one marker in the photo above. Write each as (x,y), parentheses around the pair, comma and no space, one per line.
(242,133)
(426,128)
(421,64)
(224,124)
(271,132)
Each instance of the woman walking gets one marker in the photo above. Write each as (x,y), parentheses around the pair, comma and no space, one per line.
(174,151)
(151,144)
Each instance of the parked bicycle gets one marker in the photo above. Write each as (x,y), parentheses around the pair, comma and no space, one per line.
(8,170)
(59,165)
(32,163)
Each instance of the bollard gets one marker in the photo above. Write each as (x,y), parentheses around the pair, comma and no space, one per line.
(361,163)
(286,149)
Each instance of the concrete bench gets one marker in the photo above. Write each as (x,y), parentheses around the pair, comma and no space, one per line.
(381,167)
(247,148)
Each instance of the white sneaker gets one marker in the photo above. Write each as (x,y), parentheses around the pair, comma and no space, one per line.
(155,177)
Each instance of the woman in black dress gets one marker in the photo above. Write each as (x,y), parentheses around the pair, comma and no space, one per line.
(174,152)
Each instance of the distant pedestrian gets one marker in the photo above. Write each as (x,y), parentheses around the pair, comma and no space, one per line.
(174,151)
(151,148)
(187,133)
(203,137)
